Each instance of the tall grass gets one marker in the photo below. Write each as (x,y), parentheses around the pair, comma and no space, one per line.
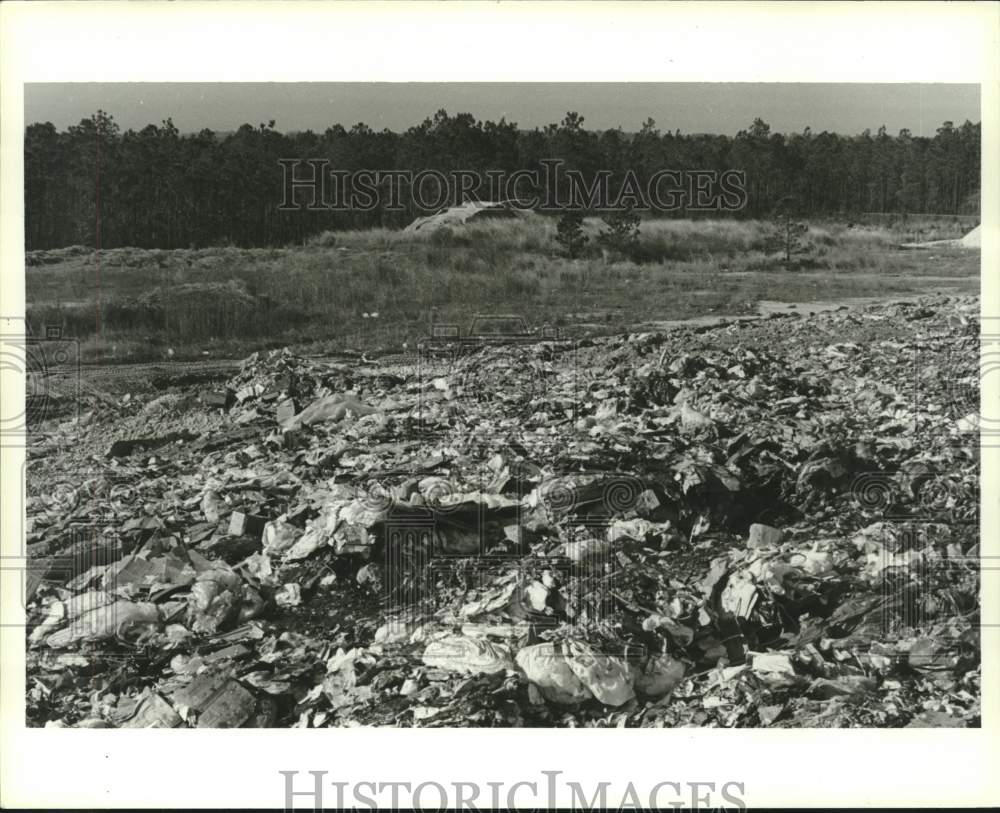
(323,289)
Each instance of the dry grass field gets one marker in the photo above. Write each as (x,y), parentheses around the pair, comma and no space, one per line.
(132,304)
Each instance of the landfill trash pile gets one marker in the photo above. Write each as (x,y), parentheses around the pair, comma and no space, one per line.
(769,523)
(470,211)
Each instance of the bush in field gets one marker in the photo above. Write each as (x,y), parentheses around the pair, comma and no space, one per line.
(569,233)
(325,240)
(442,236)
(785,234)
(621,234)
(786,237)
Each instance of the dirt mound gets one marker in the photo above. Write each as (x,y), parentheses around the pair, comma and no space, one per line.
(974,239)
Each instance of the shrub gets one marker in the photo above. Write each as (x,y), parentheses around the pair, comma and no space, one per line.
(785,234)
(569,233)
(442,236)
(622,233)
(387,272)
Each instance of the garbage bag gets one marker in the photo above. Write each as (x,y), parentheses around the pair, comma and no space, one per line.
(546,666)
(331,408)
(660,675)
(279,535)
(607,677)
(220,597)
(459,653)
(99,623)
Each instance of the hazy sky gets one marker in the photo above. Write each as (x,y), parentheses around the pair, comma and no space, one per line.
(693,108)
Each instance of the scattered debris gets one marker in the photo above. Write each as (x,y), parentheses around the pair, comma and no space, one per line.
(750,524)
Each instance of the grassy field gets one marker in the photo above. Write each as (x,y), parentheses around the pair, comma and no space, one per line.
(132,304)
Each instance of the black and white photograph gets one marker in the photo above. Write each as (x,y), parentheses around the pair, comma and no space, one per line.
(501,405)
(441,405)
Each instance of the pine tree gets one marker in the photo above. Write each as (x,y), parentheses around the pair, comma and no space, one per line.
(786,234)
(622,233)
(569,233)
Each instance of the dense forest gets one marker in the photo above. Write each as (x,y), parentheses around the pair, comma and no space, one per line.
(157,188)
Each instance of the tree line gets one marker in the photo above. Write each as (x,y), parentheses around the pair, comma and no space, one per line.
(94,185)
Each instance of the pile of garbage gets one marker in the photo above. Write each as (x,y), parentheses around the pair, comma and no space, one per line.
(769,523)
